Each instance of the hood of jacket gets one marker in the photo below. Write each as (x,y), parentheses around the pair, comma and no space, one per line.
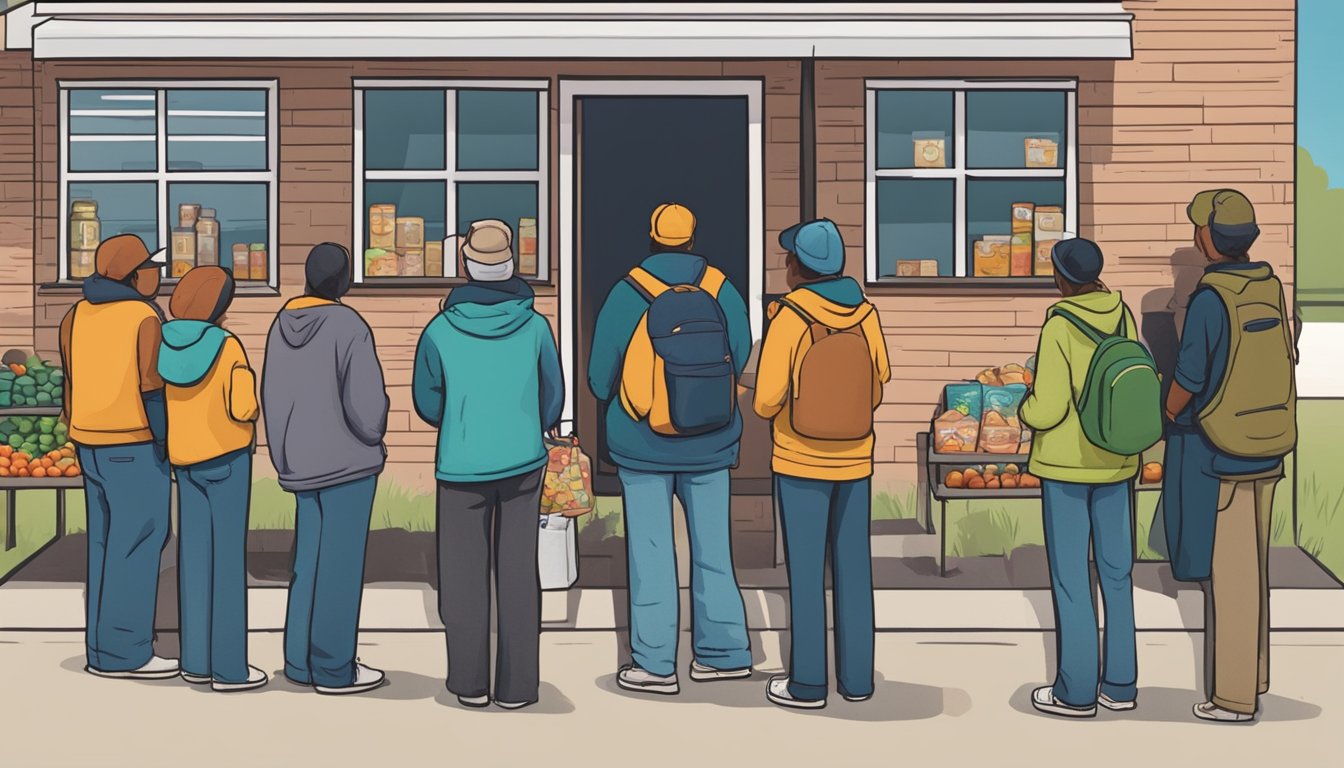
(490,321)
(1248,272)
(1100,309)
(103,290)
(479,292)
(303,317)
(189,350)
(837,303)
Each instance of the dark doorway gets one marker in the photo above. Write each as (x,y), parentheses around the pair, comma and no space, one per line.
(634,153)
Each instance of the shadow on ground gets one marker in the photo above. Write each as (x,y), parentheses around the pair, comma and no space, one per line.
(1173,705)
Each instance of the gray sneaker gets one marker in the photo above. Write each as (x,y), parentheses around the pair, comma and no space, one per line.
(1115,705)
(705,674)
(1216,714)
(632,678)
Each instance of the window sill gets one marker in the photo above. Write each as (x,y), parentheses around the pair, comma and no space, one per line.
(417,286)
(76,288)
(951,286)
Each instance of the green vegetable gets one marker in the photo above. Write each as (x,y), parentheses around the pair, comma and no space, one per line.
(30,391)
(43,398)
(15,441)
(34,362)
(29,448)
(6,386)
(41,377)
(7,375)
(24,381)
(6,400)
(46,441)
(58,377)
(46,425)
(57,393)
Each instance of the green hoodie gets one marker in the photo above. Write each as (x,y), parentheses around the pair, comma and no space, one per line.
(1059,450)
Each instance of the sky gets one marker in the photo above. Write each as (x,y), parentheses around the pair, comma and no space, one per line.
(1320,71)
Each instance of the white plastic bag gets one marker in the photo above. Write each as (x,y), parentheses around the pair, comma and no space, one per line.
(557,551)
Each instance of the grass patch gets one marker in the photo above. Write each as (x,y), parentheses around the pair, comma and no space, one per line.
(993,528)
(607,519)
(888,505)
(35,523)
(1320,484)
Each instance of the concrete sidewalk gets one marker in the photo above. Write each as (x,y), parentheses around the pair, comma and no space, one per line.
(954,698)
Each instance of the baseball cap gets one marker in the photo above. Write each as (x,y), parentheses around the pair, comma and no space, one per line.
(118,256)
(1077,260)
(672,224)
(817,244)
(1229,216)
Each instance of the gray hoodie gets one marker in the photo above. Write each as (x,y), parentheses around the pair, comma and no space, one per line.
(323,396)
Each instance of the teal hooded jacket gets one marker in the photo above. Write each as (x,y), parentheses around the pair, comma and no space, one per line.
(487,375)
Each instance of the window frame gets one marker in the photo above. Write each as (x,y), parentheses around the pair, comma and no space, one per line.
(961,174)
(161,176)
(450,175)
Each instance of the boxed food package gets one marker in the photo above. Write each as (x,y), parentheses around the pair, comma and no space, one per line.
(928,267)
(527,246)
(1049,230)
(382,226)
(930,149)
(1000,427)
(241,268)
(410,232)
(258,263)
(184,251)
(434,258)
(380,263)
(412,263)
(1020,255)
(957,428)
(992,256)
(187,214)
(1042,151)
(917,268)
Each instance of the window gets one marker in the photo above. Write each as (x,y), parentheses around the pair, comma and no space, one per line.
(188,167)
(431,157)
(969,179)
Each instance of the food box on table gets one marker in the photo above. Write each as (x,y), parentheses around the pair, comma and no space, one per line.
(957,427)
(1000,427)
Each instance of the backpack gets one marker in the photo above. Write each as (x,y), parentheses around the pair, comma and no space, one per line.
(1253,414)
(1120,407)
(678,369)
(832,386)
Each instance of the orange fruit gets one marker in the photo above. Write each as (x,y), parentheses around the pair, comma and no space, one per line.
(4,471)
(4,462)
(976,483)
(72,471)
(954,479)
(6,450)
(39,472)
(23,472)
(993,483)
(47,463)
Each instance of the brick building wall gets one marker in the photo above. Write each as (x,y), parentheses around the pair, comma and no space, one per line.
(1207,101)
(16,199)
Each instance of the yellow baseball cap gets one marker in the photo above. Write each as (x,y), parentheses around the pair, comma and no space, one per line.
(672,224)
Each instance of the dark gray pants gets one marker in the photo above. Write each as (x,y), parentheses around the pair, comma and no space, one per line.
(476,521)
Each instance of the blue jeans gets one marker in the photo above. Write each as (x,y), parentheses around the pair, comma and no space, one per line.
(322,623)
(719,622)
(818,515)
(127,492)
(213,498)
(1073,514)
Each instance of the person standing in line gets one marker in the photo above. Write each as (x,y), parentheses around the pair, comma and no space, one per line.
(820,380)
(212,406)
(114,406)
(1233,413)
(1085,492)
(326,407)
(490,462)
(675,434)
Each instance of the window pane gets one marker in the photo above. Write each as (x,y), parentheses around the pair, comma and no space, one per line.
(404,130)
(122,208)
(217,113)
(133,154)
(497,130)
(197,153)
(241,212)
(515,203)
(1016,129)
(915,227)
(391,212)
(914,129)
(112,130)
(989,213)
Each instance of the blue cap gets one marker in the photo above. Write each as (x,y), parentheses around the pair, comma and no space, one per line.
(817,244)
(1077,260)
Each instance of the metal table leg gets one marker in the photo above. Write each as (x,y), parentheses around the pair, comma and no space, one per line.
(923,515)
(11,519)
(60,512)
(942,538)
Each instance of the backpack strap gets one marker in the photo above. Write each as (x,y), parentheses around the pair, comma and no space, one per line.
(711,281)
(645,284)
(819,329)
(1092,333)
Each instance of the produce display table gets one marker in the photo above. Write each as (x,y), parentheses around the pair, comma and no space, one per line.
(10,486)
(931,488)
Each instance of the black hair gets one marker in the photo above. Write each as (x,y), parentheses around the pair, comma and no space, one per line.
(806,273)
(657,247)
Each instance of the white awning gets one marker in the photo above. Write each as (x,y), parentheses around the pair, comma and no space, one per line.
(581,30)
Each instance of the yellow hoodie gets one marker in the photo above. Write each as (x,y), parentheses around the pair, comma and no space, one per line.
(210,411)
(782,353)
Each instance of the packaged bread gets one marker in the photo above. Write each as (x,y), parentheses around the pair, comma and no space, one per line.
(928,267)
(412,263)
(382,226)
(380,263)
(930,149)
(957,428)
(991,256)
(1000,426)
(1049,230)
(907,268)
(410,233)
(434,258)
(1041,151)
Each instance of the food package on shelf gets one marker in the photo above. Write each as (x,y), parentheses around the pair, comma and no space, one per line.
(992,256)
(383,226)
(434,258)
(410,233)
(1049,230)
(184,251)
(957,428)
(527,246)
(412,263)
(1041,151)
(380,263)
(1020,253)
(917,268)
(1008,374)
(930,149)
(29,382)
(567,488)
(1000,427)
(928,267)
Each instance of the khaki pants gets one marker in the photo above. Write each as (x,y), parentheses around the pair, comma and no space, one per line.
(1237,629)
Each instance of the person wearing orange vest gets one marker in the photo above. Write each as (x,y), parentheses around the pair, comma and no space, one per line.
(820,379)
(114,405)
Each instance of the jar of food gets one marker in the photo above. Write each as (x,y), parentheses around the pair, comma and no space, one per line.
(207,238)
(382,226)
(187,214)
(241,265)
(257,266)
(184,250)
(85,234)
(410,233)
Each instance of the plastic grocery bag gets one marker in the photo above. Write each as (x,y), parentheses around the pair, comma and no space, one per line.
(568,486)
(557,552)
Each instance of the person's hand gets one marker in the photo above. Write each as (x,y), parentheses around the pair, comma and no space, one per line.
(553,433)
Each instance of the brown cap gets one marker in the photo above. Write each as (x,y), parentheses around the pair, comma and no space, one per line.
(119,256)
(204,293)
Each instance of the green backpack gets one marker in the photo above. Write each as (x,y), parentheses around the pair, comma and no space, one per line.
(1121,403)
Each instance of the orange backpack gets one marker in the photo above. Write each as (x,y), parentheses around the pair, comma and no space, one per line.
(833,382)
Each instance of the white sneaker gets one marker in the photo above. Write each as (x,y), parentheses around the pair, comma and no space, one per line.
(1216,714)
(514,704)
(1116,706)
(157,668)
(196,679)
(475,702)
(366,679)
(704,674)
(1043,699)
(632,678)
(777,692)
(255,679)
(855,699)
